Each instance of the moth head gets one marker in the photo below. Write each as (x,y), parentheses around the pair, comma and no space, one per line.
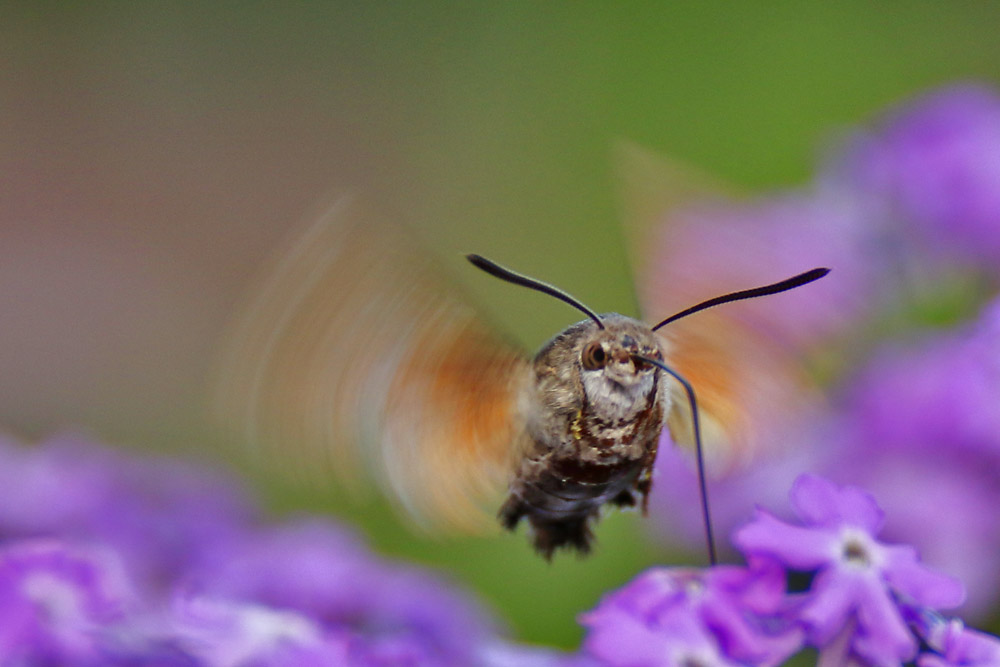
(607,358)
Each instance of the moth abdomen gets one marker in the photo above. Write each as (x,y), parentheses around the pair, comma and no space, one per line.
(563,498)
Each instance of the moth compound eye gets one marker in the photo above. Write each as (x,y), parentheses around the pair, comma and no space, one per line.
(594,357)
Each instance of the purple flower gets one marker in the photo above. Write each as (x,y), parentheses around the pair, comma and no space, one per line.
(167,565)
(676,640)
(955,645)
(867,604)
(938,395)
(507,654)
(59,604)
(223,632)
(923,416)
(162,516)
(323,572)
(858,580)
(681,617)
(953,527)
(935,163)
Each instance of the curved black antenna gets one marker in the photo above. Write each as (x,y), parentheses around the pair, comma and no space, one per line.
(766,290)
(498,271)
(699,454)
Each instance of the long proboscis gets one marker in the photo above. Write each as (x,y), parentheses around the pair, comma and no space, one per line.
(503,273)
(767,290)
(698,449)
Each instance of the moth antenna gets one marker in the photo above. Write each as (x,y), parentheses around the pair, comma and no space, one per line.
(498,271)
(699,453)
(767,290)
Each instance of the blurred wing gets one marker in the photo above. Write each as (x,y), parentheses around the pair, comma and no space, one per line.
(650,187)
(751,390)
(355,353)
(750,382)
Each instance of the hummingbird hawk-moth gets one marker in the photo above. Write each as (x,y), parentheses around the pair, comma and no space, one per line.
(357,352)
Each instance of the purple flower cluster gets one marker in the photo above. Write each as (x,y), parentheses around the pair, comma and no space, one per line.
(907,213)
(934,165)
(924,433)
(107,559)
(111,560)
(867,603)
(682,617)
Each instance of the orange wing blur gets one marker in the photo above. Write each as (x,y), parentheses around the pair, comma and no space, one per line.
(750,389)
(751,385)
(355,353)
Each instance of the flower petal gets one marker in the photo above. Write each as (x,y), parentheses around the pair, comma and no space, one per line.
(820,502)
(829,605)
(925,586)
(883,635)
(797,547)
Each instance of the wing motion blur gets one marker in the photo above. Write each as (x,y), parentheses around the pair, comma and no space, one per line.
(749,388)
(750,382)
(356,354)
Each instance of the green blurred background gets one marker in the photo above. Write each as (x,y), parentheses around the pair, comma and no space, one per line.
(152,155)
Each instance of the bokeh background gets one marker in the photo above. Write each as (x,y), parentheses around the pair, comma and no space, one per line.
(151,156)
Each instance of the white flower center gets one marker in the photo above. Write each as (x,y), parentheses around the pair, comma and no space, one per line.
(858,550)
